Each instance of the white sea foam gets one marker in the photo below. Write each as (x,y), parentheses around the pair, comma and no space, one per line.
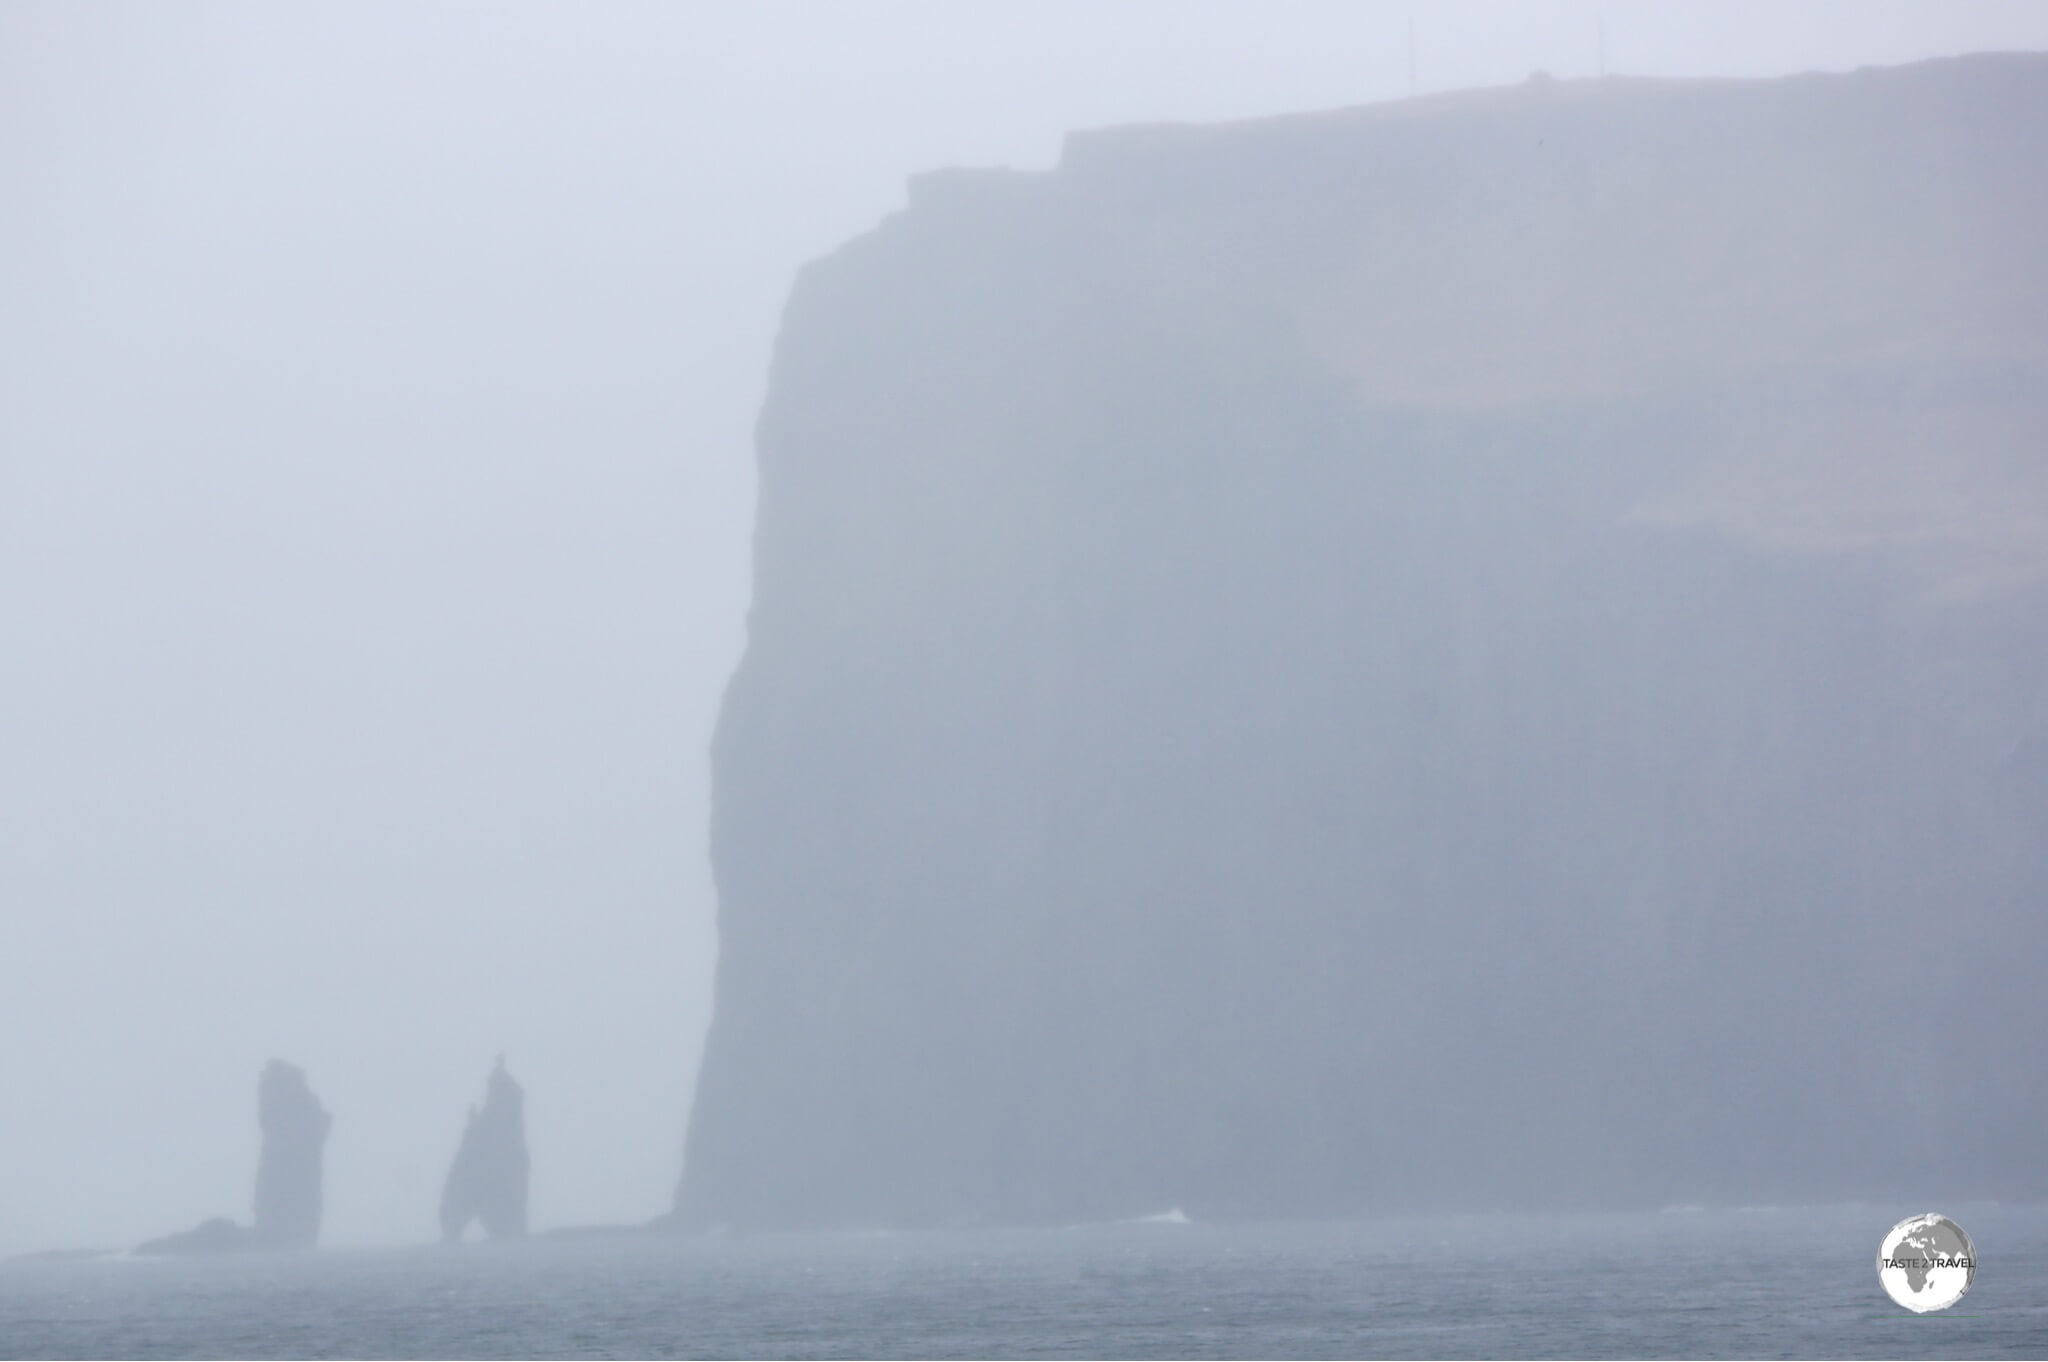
(1173,1216)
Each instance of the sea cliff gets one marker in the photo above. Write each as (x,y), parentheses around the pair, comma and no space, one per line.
(1479,652)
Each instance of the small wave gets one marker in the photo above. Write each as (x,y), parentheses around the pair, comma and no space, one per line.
(1174,1216)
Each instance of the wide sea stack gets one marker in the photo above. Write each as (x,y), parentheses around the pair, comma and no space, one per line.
(1488,651)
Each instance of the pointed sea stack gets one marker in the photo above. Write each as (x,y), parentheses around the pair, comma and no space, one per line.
(487,1181)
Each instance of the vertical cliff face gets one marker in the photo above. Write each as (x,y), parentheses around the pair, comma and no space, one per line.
(1485,651)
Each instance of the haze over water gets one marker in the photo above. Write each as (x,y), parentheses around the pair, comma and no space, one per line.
(378,390)
(1796,1282)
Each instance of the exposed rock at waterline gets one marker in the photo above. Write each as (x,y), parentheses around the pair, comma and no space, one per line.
(288,1174)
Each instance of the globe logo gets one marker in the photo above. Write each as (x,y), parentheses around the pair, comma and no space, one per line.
(1926,1263)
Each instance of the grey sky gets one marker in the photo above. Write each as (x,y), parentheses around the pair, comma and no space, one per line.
(375,394)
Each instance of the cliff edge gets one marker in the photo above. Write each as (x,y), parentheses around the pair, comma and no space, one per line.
(1482,652)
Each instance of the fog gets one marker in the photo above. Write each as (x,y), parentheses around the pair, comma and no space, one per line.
(377,387)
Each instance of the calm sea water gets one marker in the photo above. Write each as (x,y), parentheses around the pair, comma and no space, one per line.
(1786,1283)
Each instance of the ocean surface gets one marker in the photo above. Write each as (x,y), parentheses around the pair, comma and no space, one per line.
(1757,1283)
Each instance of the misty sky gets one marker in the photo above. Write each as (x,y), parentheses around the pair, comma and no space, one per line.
(376,385)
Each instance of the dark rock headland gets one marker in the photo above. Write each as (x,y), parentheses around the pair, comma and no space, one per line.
(1482,652)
